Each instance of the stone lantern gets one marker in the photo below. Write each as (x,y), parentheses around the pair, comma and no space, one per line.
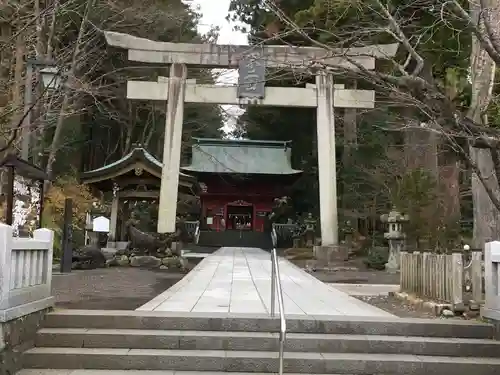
(395,236)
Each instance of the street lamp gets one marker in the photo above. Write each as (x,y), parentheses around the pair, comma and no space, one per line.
(51,80)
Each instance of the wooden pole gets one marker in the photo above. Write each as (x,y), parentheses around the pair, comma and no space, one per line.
(67,249)
(41,207)
(10,196)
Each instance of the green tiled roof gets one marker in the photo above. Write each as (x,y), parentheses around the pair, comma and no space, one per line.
(241,157)
(137,155)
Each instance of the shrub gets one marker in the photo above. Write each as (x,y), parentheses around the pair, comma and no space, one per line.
(377,258)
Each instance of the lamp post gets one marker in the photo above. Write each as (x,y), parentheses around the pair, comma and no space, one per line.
(51,80)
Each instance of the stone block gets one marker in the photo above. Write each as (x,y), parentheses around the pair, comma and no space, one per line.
(16,336)
(109,253)
(331,254)
(122,260)
(145,261)
(177,247)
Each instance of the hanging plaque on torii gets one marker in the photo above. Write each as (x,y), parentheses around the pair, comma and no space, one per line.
(252,74)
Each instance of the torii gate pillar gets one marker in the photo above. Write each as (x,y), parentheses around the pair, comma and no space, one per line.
(172,148)
(327,161)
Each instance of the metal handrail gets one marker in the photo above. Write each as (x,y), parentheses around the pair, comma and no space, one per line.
(276,284)
(197,233)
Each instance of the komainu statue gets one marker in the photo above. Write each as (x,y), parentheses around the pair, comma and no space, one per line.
(154,244)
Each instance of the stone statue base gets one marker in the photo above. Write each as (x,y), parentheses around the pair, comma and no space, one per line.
(331,254)
(391,268)
(395,247)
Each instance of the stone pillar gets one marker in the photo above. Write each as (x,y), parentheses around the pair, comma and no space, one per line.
(113,222)
(492,277)
(172,148)
(396,238)
(327,160)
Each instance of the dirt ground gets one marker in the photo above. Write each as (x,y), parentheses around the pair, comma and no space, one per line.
(110,288)
(398,307)
(350,272)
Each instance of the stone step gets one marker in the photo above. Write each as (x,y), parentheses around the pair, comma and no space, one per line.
(264,341)
(392,326)
(133,372)
(255,361)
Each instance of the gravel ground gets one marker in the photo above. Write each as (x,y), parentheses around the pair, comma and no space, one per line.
(110,288)
(353,271)
(398,307)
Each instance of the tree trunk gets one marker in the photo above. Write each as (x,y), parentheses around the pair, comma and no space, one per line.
(16,100)
(486,216)
(350,145)
(54,147)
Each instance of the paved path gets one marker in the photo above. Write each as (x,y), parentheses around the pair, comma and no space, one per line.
(237,280)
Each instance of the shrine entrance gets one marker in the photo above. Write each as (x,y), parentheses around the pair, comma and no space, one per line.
(240,216)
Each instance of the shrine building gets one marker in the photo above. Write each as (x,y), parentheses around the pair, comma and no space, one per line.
(239,181)
(134,177)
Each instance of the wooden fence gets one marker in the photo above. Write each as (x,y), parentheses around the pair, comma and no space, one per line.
(441,276)
(25,272)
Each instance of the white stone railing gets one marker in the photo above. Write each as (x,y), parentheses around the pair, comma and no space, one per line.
(197,233)
(25,273)
(491,308)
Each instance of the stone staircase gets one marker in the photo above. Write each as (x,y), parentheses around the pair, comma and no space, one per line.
(216,343)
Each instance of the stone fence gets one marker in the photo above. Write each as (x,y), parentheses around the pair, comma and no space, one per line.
(25,292)
(25,273)
(441,276)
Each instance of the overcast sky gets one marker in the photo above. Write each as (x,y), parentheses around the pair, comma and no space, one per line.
(214,13)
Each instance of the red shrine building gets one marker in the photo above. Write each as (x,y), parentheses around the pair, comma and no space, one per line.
(239,180)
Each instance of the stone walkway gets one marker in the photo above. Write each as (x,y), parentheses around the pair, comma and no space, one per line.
(237,280)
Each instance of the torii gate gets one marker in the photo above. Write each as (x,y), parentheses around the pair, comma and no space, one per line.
(177,90)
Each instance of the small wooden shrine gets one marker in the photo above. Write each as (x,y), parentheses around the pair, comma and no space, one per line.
(135,177)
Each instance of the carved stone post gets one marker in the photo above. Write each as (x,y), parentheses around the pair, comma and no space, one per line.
(396,238)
